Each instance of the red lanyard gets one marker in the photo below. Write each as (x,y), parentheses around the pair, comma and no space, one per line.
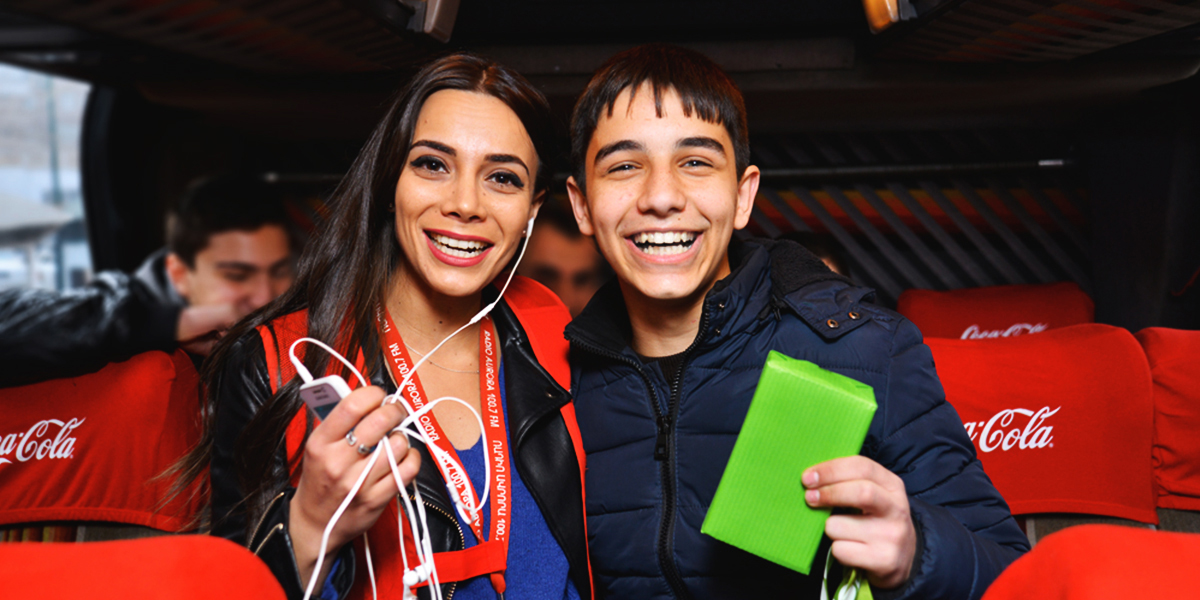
(491,551)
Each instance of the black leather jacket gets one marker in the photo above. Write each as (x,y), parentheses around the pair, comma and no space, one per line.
(543,454)
(50,335)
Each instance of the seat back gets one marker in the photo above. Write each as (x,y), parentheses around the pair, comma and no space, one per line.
(1062,421)
(1174,357)
(92,448)
(178,567)
(1098,562)
(997,311)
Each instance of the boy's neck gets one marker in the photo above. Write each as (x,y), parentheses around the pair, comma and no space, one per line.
(663,327)
(666,327)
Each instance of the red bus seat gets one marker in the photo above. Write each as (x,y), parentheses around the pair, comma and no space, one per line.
(1102,562)
(1174,357)
(1062,421)
(179,567)
(997,311)
(91,448)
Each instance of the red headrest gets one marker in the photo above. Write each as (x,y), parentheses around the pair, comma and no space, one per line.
(1099,562)
(90,448)
(1174,356)
(994,312)
(180,567)
(1062,420)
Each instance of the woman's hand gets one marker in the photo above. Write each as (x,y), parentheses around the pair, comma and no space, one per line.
(331,467)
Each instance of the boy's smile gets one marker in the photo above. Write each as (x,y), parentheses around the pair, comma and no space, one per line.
(662,197)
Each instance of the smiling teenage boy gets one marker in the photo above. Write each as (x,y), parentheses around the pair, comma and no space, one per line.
(666,357)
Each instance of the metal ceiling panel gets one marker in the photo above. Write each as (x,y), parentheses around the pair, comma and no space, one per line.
(1039,30)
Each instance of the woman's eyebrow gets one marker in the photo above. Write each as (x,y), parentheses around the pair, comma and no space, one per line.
(701,142)
(508,158)
(440,147)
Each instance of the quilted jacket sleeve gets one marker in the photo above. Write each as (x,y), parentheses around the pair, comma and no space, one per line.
(49,335)
(967,535)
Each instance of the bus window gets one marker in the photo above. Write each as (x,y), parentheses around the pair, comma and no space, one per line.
(43,238)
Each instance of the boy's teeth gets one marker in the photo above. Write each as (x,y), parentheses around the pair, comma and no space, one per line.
(664,242)
(664,237)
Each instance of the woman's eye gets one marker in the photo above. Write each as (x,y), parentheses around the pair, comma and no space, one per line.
(429,163)
(506,178)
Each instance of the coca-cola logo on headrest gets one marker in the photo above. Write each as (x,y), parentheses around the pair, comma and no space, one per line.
(49,438)
(1002,432)
(975,333)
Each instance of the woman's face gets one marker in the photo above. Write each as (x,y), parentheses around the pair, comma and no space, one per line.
(466,192)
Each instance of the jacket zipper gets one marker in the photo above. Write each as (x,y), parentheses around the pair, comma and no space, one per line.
(461,537)
(664,453)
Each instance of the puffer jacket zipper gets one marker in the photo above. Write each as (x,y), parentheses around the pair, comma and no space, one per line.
(664,451)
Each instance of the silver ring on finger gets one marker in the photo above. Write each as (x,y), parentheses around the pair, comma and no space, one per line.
(363,450)
(351,439)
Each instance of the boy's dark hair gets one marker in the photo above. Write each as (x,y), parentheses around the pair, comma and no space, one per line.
(232,202)
(703,88)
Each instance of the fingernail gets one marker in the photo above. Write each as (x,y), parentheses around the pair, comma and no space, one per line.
(812,496)
(810,478)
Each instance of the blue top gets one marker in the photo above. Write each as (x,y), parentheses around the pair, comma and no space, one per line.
(537,567)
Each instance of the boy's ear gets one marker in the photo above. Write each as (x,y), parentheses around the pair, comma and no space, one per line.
(583,216)
(747,192)
(177,272)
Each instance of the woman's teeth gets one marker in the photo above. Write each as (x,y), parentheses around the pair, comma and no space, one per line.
(664,242)
(458,248)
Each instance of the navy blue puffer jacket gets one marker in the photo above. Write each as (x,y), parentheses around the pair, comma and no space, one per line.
(656,449)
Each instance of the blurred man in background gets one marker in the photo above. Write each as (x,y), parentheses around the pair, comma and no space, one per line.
(562,259)
(229,252)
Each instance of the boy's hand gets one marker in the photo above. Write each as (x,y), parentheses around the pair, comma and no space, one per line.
(881,541)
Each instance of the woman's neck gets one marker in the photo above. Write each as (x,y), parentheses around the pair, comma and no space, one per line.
(426,317)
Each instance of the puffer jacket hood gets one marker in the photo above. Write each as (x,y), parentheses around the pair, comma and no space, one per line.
(656,448)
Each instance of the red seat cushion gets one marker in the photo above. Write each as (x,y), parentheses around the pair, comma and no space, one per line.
(1062,421)
(1099,562)
(91,448)
(999,311)
(1174,357)
(178,567)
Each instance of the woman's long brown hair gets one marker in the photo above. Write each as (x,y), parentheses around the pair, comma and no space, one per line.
(343,274)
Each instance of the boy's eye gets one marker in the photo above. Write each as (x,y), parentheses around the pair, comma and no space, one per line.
(621,167)
(429,163)
(235,276)
(695,162)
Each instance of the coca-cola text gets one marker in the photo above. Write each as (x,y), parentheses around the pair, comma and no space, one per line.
(1000,431)
(36,444)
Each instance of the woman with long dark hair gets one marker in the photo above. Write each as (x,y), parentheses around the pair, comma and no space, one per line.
(431,212)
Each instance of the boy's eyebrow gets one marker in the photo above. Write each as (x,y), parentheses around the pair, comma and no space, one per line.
(701,142)
(440,147)
(617,147)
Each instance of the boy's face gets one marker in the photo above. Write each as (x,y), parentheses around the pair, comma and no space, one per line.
(663,197)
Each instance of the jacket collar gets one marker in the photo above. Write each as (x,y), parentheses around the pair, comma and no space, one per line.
(766,276)
(604,324)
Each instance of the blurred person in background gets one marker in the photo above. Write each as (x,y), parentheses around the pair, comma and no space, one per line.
(229,252)
(562,259)
(824,246)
